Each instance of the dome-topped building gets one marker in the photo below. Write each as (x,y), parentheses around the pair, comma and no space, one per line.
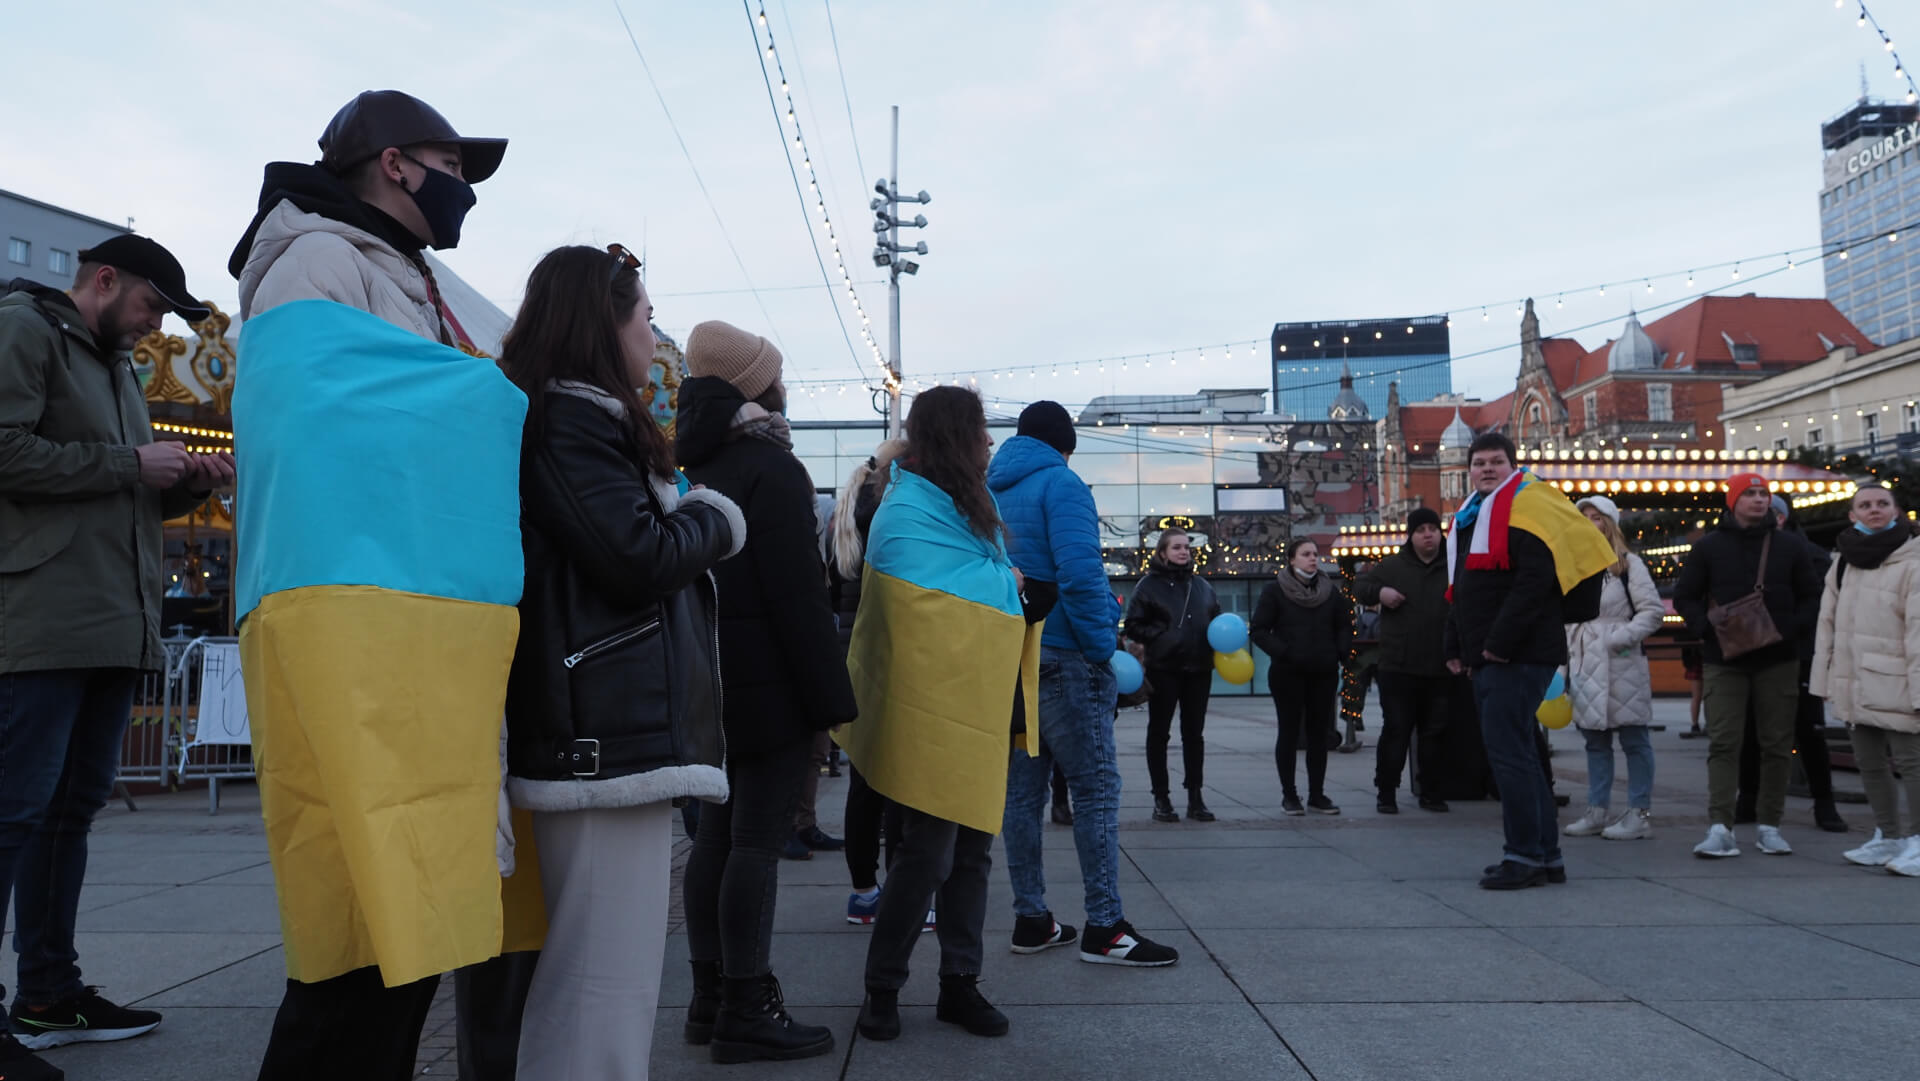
(1457,435)
(1347,405)
(1634,350)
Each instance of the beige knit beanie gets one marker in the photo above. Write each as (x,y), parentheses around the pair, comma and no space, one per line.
(748,361)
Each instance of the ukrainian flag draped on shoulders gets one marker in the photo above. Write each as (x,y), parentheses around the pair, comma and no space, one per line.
(1524,502)
(379,565)
(938,646)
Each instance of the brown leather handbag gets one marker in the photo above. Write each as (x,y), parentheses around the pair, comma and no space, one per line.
(1745,625)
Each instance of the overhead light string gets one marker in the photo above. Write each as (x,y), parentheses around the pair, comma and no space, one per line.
(1900,71)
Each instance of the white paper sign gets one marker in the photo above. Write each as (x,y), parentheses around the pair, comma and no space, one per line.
(223,697)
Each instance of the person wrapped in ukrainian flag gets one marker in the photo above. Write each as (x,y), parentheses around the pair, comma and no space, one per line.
(941,644)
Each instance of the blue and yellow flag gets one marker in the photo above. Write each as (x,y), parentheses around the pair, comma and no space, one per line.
(937,648)
(379,565)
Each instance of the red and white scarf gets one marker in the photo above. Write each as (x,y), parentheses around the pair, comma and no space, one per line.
(1488,516)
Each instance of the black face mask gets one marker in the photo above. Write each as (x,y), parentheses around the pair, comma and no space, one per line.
(444,200)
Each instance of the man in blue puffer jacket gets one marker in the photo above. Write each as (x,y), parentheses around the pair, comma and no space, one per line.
(1053,534)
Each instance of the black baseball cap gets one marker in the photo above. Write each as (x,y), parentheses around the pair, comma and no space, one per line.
(378,119)
(147,259)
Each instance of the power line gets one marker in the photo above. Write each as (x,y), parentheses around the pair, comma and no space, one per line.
(688,154)
(806,91)
(844,96)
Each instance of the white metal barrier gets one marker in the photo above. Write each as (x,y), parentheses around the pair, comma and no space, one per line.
(190,722)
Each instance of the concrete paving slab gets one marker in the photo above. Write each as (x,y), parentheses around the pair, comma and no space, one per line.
(1227,1042)
(1245,833)
(676,1060)
(163,865)
(192,908)
(132,965)
(1320,864)
(1588,902)
(824,908)
(1811,1041)
(1709,963)
(260,874)
(1900,941)
(1863,897)
(1508,1041)
(257,981)
(1396,965)
(189,1045)
(1307,903)
(93,897)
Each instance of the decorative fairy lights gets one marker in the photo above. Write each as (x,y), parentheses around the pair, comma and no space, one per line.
(796,145)
(1865,20)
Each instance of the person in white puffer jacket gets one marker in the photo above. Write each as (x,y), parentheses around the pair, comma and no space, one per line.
(1866,664)
(1611,687)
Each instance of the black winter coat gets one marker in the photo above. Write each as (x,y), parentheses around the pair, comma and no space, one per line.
(787,678)
(1412,636)
(1301,638)
(1517,614)
(1169,613)
(843,592)
(1723,566)
(616,673)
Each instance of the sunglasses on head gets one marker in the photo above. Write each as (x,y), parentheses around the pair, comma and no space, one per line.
(622,259)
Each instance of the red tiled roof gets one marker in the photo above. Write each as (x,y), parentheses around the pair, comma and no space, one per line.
(1787,331)
(1421,425)
(1494,414)
(1563,356)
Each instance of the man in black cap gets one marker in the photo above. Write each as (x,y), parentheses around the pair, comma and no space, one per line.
(393,179)
(1417,691)
(83,492)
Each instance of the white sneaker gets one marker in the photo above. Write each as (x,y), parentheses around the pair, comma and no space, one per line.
(1589,824)
(1718,845)
(1907,862)
(1874,853)
(1636,824)
(1769,841)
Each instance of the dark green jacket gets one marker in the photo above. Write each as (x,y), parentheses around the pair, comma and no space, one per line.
(1412,636)
(81,568)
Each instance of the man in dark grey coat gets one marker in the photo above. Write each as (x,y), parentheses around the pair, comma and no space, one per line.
(1417,691)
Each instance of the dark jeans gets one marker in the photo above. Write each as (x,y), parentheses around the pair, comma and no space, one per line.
(1305,707)
(867,811)
(1410,704)
(488,999)
(734,870)
(348,1026)
(1809,744)
(1188,691)
(1509,695)
(60,734)
(935,858)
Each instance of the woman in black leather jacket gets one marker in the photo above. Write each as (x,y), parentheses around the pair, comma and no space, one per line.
(613,707)
(1169,613)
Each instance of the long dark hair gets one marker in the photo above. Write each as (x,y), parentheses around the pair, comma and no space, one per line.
(569,329)
(944,430)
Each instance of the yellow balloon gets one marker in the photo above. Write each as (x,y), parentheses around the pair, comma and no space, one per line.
(1235,667)
(1556,712)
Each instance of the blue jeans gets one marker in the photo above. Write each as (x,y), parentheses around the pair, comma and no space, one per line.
(1076,730)
(1509,694)
(1638,747)
(60,735)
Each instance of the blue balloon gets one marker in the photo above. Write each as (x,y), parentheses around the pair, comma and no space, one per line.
(1126,672)
(1227,633)
(1558,686)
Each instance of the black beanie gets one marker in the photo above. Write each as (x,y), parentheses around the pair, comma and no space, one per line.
(1050,423)
(1422,516)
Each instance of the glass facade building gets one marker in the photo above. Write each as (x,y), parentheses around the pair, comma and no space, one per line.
(1871,185)
(1308,359)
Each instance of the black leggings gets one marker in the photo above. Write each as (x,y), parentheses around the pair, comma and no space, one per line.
(352,1025)
(1188,691)
(734,870)
(867,811)
(1304,704)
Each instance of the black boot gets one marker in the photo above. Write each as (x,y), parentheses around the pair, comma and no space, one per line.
(880,1015)
(754,1024)
(1163,810)
(1197,807)
(706,1002)
(961,1003)
(1827,816)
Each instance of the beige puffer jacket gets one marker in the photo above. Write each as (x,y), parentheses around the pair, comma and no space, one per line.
(1866,657)
(1606,672)
(302,256)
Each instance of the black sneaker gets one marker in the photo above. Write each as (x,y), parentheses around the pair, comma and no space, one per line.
(1509,875)
(1122,945)
(820,840)
(84,1018)
(19,1064)
(1321,805)
(1062,814)
(795,849)
(1032,934)
(961,1003)
(1291,805)
(879,1015)
(1556,876)
(1437,806)
(1387,804)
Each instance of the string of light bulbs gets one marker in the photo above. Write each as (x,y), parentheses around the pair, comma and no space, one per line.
(1865,20)
(794,143)
(1790,259)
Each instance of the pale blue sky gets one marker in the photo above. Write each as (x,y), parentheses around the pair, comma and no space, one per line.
(1109,177)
